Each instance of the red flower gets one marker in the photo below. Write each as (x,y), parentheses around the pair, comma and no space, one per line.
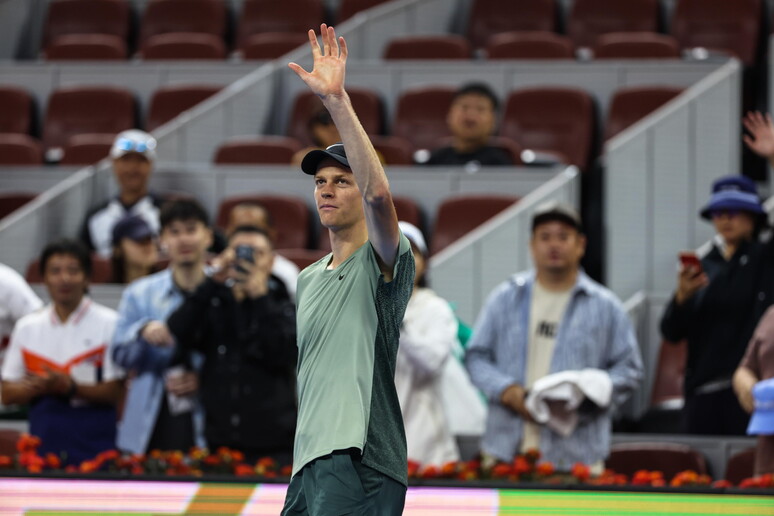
(545,469)
(429,472)
(722,484)
(70,468)
(237,456)
(27,443)
(502,470)
(108,455)
(52,461)
(211,460)
(89,466)
(243,470)
(532,455)
(286,471)
(413,468)
(581,471)
(449,469)
(521,465)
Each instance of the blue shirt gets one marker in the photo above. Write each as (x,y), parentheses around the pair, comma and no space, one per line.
(595,332)
(152,298)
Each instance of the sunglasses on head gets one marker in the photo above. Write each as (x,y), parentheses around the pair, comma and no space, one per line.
(128,145)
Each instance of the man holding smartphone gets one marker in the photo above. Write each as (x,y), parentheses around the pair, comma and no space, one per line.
(243,322)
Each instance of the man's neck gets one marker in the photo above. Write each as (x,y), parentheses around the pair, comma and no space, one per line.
(188,277)
(468,146)
(133,272)
(65,310)
(345,241)
(557,281)
(130,198)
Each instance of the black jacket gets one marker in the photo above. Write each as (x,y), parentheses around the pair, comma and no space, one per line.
(248,380)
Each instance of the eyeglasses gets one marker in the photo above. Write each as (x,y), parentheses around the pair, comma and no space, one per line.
(725,213)
(128,145)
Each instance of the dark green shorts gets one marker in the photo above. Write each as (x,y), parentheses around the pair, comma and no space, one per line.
(339,484)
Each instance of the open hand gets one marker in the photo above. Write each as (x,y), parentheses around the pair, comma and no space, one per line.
(327,75)
(761,137)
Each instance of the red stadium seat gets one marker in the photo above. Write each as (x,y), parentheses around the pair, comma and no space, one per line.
(12,201)
(591,18)
(8,440)
(488,17)
(271,45)
(669,458)
(86,47)
(261,150)
(447,46)
(555,120)
(719,26)
(101,270)
(289,213)
(296,16)
(15,110)
(740,466)
(529,45)
(87,109)
(174,46)
(420,117)
(459,215)
(349,8)
(632,104)
(636,45)
(670,373)
(87,149)
(20,149)
(164,16)
(394,149)
(168,102)
(69,17)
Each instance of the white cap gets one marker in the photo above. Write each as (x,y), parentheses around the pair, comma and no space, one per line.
(414,235)
(134,140)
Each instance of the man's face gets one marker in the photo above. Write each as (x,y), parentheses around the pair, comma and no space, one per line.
(471,118)
(557,247)
(132,171)
(734,226)
(186,242)
(263,254)
(65,280)
(338,199)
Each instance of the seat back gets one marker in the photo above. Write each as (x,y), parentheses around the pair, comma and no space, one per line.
(446,46)
(420,117)
(8,440)
(162,16)
(632,104)
(459,215)
(183,45)
(669,458)
(271,45)
(15,110)
(488,17)
(393,149)
(168,102)
(348,8)
(719,25)
(529,45)
(289,213)
(670,373)
(295,16)
(266,149)
(86,47)
(636,45)
(87,109)
(20,149)
(12,201)
(65,17)
(101,270)
(556,120)
(591,18)
(86,149)
(740,466)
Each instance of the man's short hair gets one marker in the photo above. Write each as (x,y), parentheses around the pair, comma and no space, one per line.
(183,210)
(553,211)
(256,204)
(477,88)
(69,247)
(251,230)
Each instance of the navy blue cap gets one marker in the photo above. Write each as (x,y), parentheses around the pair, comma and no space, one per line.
(133,227)
(733,193)
(313,158)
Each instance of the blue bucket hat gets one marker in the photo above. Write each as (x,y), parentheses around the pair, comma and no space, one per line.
(733,193)
(762,421)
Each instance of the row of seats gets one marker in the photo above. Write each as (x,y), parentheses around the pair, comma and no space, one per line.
(558,121)
(180,29)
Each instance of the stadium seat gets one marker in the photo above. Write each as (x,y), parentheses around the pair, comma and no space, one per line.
(86,109)
(8,439)
(12,201)
(488,17)
(512,148)
(101,270)
(20,149)
(529,45)
(551,119)
(591,18)
(669,458)
(420,117)
(367,104)
(168,102)
(670,371)
(394,150)
(459,215)
(183,45)
(15,110)
(446,46)
(636,45)
(164,16)
(302,258)
(289,213)
(260,150)
(71,17)
(719,26)
(348,8)
(632,104)
(740,466)
(295,16)
(86,47)
(86,149)
(271,45)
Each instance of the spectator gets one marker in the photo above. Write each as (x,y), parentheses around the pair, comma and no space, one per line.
(761,137)
(247,335)
(133,154)
(255,214)
(716,307)
(757,365)
(543,325)
(134,250)
(58,361)
(322,132)
(159,412)
(472,119)
(427,337)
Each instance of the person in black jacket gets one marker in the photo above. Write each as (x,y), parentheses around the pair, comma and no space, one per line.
(243,322)
(717,306)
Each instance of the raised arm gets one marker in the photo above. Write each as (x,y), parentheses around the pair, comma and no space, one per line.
(326,80)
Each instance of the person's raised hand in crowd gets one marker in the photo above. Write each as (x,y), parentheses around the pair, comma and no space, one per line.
(761,137)
(689,281)
(327,75)
(247,277)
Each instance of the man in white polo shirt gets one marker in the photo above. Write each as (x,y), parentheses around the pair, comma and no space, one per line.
(58,361)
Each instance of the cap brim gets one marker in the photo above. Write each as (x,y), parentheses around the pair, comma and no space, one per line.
(313,158)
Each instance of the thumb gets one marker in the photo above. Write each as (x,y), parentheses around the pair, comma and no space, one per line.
(299,70)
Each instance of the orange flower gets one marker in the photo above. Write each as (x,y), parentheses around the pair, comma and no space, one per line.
(413,468)
(52,461)
(286,471)
(720,484)
(641,477)
(155,454)
(449,469)
(89,466)
(211,460)
(467,474)
(108,455)
(581,471)
(502,470)
(545,469)
(243,470)
(266,462)
(429,472)
(238,456)
(27,443)
(521,465)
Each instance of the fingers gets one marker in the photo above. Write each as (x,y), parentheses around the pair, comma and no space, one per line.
(314,43)
(324,34)
(344,49)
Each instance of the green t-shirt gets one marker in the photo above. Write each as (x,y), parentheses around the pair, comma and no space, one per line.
(348,323)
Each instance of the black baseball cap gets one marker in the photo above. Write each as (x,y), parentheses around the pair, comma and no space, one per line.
(551,211)
(313,158)
(133,227)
